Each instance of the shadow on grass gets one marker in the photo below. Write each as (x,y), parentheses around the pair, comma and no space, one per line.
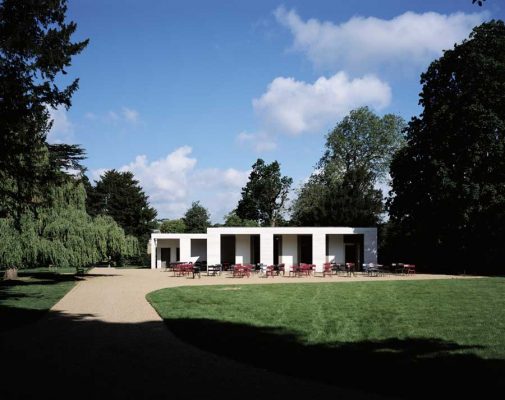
(90,358)
(411,367)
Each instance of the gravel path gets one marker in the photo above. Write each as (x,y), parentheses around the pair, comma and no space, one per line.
(104,340)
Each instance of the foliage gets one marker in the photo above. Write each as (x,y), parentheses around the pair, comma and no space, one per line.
(265,195)
(63,234)
(342,190)
(197,218)
(173,226)
(448,205)
(119,195)
(35,48)
(232,219)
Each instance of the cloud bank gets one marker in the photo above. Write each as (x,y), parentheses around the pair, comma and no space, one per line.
(174,182)
(409,38)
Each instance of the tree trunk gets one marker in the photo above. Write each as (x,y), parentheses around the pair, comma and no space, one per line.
(11,274)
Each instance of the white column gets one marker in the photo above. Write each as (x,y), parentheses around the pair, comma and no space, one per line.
(213,248)
(185,248)
(242,249)
(267,248)
(318,250)
(370,244)
(153,253)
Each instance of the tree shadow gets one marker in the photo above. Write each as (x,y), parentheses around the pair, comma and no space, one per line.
(81,356)
(410,367)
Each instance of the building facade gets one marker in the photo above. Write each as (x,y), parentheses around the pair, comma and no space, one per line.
(267,245)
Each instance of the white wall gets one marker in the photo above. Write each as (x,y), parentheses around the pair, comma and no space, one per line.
(198,250)
(289,251)
(336,250)
(242,249)
(165,243)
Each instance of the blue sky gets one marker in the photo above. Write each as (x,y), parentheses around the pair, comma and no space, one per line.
(187,95)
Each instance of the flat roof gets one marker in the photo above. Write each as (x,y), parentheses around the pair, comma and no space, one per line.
(277,230)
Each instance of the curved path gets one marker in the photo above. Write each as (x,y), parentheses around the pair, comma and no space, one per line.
(104,340)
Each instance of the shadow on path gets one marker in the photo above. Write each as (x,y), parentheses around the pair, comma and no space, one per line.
(84,358)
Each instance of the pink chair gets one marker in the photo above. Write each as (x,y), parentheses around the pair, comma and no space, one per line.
(327,270)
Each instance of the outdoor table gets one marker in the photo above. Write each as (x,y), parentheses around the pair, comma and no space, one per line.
(213,270)
(196,271)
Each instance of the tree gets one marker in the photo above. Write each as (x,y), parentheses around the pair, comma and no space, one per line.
(448,183)
(265,195)
(35,48)
(232,219)
(120,196)
(173,226)
(197,218)
(62,234)
(342,190)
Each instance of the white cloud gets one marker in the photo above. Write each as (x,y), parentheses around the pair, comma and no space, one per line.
(112,116)
(126,115)
(174,182)
(294,107)
(130,115)
(260,141)
(91,116)
(62,130)
(97,173)
(361,42)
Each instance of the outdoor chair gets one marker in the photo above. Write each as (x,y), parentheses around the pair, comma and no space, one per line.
(397,268)
(270,271)
(305,269)
(339,268)
(350,268)
(371,269)
(213,270)
(327,269)
(282,268)
(295,270)
(409,269)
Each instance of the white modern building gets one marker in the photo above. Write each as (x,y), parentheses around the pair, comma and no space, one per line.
(276,245)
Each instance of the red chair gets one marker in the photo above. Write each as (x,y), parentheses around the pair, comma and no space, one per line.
(306,269)
(327,269)
(282,268)
(238,271)
(351,267)
(270,271)
(295,270)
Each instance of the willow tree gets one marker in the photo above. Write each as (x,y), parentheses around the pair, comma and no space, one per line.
(63,234)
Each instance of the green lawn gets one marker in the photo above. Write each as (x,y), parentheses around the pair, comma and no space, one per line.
(25,300)
(438,330)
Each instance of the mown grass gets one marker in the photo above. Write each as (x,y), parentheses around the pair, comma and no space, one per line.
(28,298)
(440,329)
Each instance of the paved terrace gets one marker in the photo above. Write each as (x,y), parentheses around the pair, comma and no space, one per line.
(103,339)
